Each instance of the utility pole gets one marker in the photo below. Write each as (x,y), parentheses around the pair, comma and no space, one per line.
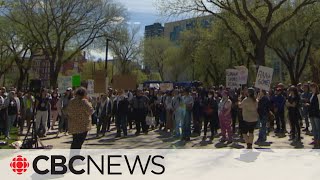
(107,50)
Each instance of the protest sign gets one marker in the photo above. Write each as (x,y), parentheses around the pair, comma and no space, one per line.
(90,87)
(166,86)
(100,84)
(264,78)
(232,79)
(76,81)
(126,82)
(242,74)
(64,82)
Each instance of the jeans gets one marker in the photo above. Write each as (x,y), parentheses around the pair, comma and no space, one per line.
(263,128)
(10,121)
(315,123)
(208,119)
(179,116)
(281,123)
(78,140)
(42,118)
(295,125)
(305,115)
(63,123)
(121,124)
(186,125)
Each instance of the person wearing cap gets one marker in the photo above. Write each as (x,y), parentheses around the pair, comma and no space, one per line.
(279,102)
(249,107)
(42,107)
(225,118)
(293,103)
(62,106)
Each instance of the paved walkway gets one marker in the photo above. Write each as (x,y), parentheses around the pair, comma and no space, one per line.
(160,140)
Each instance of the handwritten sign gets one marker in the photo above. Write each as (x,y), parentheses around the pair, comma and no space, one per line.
(64,82)
(125,82)
(232,78)
(242,74)
(100,82)
(90,87)
(264,78)
(166,87)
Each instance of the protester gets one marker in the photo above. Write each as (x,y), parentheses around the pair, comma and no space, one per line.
(305,97)
(225,117)
(279,102)
(121,109)
(186,122)
(104,115)
(28,101)
(54,109)
(249,108)
(210,115)
(140,106)
(3,113)
(79,111)
(314,113)
(13,112)
(293,108)
(62,106)
(197,113)
(42,108)
(179,111)
(263,111)
(169,112)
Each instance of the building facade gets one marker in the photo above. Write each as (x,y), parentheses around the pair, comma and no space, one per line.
(154,30)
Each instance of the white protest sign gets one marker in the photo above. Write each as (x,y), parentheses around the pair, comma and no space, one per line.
(166,86)
(264,78)
(64,82)
(154,85)
(242,74)
(90,87)
(232,79)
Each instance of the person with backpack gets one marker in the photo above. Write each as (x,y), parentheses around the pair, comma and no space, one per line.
(104,115)
(42,108)
(13,112)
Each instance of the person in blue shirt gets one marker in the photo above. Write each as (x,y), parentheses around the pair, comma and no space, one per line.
(279,101)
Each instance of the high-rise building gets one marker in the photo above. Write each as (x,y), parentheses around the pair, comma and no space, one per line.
(173,30)
(154,30)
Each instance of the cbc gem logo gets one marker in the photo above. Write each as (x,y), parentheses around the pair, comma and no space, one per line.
(19,165)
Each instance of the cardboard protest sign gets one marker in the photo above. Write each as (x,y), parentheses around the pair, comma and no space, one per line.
(100,84)
(242,74)
(90,87)
(126,82)
(232,79)
(76,81)
(264,78)
(166,86)
(64,82)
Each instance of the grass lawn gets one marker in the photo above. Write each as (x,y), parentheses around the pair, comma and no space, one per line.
(14,137)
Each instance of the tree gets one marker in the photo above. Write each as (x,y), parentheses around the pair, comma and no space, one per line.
(156,54)
(126,47)
(63,25)
(21,48)
(6,60)
(294,41)
(258,18)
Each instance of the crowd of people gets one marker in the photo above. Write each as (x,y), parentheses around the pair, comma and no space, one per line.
(183,112)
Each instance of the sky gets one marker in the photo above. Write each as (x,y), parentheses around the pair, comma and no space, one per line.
(141,12)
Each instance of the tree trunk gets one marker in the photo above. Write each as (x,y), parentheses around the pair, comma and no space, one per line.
(54,74)
(22,78)
(260,52)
